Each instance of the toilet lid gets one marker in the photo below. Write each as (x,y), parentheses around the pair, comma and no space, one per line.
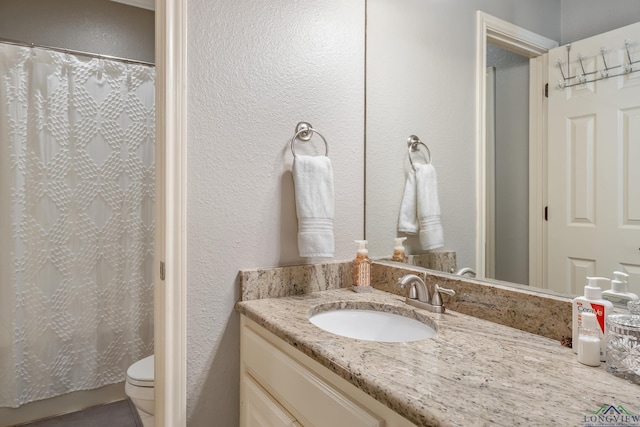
(141,373)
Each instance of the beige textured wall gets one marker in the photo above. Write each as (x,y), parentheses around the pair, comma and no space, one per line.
(255,69)
(96,26)
(586,18)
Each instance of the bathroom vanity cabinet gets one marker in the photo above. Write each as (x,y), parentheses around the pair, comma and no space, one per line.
(473,372)
(280,386)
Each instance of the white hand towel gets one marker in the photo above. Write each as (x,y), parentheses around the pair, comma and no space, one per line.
(408,218)
(431,232)
(313,183)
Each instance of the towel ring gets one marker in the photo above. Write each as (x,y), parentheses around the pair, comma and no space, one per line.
(304,131)
(414,143)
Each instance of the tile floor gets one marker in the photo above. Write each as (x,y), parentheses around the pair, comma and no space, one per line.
(147,419)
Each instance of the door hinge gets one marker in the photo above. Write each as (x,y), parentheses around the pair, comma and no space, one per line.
(546,213)
(546,90)
(162,270)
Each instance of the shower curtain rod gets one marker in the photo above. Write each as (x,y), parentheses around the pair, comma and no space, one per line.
(77,52)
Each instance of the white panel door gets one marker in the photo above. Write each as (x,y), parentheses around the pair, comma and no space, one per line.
(594,163)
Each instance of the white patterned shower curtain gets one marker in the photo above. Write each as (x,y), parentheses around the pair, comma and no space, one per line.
(77,187)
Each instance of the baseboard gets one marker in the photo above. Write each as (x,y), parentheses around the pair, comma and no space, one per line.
(59,405)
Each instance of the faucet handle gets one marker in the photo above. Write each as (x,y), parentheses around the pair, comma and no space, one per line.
(437,299)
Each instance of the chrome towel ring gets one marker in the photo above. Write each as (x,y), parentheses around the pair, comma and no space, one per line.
(414,143)
(304,132)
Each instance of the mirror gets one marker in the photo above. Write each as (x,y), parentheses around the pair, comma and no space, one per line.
(420,79)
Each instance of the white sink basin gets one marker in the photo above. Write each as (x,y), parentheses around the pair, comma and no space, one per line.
(371,325)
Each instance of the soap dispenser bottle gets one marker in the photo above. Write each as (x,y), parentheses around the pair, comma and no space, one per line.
(362,268)
(591,302)
(399,254)
(619,293)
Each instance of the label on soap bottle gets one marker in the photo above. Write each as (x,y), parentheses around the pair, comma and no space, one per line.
(361,272)
(598,310)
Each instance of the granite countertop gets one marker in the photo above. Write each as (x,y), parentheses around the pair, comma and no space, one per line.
(474,372)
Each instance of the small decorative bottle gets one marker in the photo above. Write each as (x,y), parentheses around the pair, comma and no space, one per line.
(399,254)
(362,268)
(589,341)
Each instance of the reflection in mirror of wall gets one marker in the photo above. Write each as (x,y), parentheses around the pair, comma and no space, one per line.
(421,80)
(507,115)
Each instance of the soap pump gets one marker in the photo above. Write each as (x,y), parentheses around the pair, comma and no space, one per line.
(399,254)
(362,268)
(619,293)
(591,302)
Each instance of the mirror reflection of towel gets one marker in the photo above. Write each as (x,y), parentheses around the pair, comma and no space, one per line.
(408,219)
(420,209)
(313,183)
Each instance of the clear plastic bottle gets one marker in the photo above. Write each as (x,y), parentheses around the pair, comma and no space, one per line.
(589,341)
(619,293)
(362,268)
(399,254)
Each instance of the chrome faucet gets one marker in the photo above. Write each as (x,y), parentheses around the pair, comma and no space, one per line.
(418,288)
(419,293)
(466,271)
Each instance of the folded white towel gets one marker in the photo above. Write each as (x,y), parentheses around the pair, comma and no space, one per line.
(408,218)
(313,183)
(431,232)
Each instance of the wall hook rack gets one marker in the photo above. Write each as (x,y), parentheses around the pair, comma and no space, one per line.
(627,67)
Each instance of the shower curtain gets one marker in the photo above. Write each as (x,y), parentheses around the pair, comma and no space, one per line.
(77,190)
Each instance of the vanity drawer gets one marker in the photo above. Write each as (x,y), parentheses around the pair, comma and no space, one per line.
(259,409)
(311,400)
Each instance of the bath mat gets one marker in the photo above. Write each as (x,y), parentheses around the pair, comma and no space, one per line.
(122,413)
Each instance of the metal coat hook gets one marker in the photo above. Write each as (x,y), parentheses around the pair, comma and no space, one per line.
(629,69)
(605,72)
(583,76)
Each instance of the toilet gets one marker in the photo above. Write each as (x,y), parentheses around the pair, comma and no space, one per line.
(139,385)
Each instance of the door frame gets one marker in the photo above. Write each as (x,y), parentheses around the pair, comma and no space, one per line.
(490,29)
(170,237)
(538,137)
(490,196)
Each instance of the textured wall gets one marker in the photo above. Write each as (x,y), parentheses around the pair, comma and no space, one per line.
(601,16)
(95,26)
(255,69)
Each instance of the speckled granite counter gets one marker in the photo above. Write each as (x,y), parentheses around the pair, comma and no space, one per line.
(474,372)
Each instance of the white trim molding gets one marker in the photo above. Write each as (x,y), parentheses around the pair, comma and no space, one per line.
(171,246)
(538,171)
(490,29)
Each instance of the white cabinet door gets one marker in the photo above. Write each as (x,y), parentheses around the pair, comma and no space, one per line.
(279,383)
(594,165)
(259,409)
(309,397)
